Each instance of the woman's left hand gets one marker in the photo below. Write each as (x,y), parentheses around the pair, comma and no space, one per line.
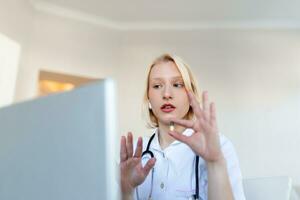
(205,140)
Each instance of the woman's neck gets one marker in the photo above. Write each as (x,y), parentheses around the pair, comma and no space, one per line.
(164,138)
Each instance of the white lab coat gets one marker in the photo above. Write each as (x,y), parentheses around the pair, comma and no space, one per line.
(174,171)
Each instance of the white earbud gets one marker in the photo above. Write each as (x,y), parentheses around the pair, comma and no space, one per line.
(149,105)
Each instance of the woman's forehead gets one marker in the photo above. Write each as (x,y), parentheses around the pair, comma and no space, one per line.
(165,70)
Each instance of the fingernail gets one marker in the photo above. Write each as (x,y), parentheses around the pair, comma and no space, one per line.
(153,160)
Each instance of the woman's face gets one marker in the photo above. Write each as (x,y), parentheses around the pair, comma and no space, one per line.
(167,93)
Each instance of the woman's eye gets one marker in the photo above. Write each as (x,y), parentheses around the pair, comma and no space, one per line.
(156,86)
(178,85)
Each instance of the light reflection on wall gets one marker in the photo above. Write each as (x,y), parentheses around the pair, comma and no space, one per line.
(53,82)
(48,86)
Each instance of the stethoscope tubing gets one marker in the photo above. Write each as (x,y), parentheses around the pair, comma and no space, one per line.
(147,151)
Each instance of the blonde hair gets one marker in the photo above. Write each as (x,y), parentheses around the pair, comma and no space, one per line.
(188,79)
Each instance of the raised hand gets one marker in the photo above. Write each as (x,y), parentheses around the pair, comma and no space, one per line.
(131,170)
(205,140)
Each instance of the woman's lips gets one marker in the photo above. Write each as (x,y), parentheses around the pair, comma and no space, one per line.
(167,108)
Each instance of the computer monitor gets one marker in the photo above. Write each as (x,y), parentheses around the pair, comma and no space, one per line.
(60,147)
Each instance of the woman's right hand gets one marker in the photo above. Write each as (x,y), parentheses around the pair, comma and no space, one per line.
(131,170)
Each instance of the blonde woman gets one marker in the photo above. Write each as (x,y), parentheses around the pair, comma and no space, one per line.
(186,157)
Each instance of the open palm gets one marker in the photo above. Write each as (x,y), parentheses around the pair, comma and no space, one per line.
(131,170)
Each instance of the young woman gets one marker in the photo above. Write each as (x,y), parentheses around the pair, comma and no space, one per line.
(186,157)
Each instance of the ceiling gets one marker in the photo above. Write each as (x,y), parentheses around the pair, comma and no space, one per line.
(281,13)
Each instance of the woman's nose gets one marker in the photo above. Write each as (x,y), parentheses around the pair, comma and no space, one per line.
(167,93)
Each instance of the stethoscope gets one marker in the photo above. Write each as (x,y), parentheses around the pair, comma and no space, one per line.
(150,153)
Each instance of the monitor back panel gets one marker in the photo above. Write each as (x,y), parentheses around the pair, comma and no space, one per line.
(55,148)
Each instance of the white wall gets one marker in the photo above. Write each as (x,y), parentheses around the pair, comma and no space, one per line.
(9,64)
(16,20)
(16,23)
(67,46)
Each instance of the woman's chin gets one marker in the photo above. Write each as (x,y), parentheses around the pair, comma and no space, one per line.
(168,119)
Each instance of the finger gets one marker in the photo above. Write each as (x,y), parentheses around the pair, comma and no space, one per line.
(195,104)
(123,151)
(149,165)
(204,125)
(183,122)
(129,145)
(205,103)
(213,117)
(179,137)
(139,148)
